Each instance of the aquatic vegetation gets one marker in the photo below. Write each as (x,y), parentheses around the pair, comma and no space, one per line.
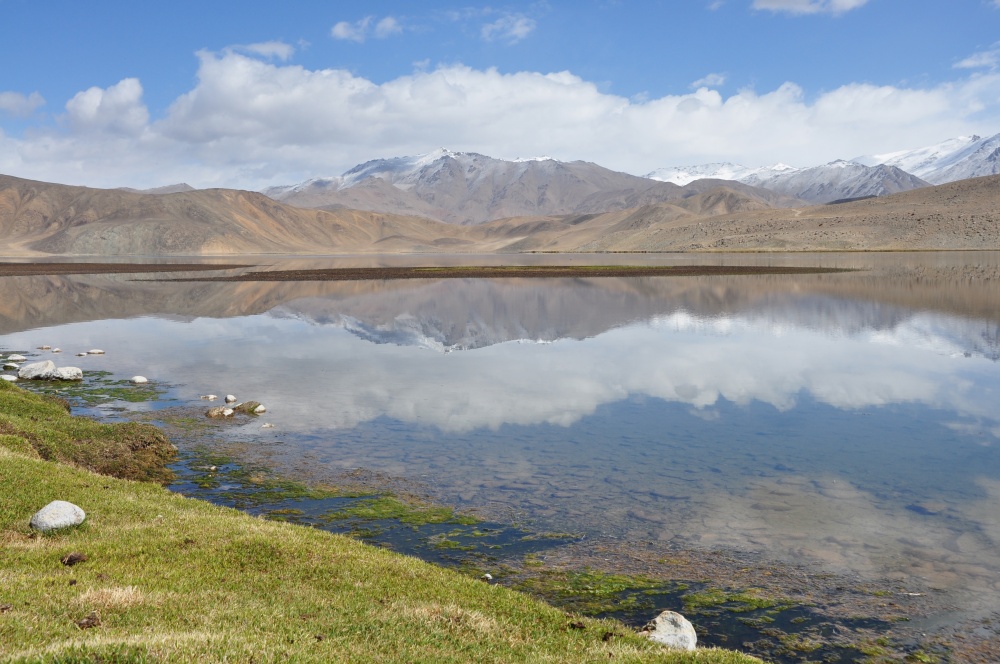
(98,388)
(383,507)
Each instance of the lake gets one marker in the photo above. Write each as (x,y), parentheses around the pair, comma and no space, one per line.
(843,423)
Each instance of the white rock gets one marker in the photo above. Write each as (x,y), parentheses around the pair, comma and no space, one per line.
(37,370)
(227,412)
(9,378)
(230,398)
(138,380)
(16,358)
(209,397)
(81,355)
(672,630)
(11,366)
(57,350)
(267,425)
(68,373)
(57,514)
(95,351)
(259,409)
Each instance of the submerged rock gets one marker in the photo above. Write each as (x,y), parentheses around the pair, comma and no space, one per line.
(11,366)
(209,397)
(250,408)
(672,630)
(219,411)
(57,514)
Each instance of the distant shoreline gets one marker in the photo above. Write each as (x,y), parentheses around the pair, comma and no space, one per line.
(513,271)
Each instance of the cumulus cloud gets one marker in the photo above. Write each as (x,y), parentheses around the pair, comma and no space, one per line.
(117,109)
(809,6)
(709,81)
(252,122)
(358,31)
(510,28)
(20,105)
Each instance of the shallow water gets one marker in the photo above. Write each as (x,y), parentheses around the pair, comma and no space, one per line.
(844,422)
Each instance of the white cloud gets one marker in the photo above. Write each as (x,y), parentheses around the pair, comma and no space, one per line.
(988,59)
(117,109)
(809,6)
(249,123)
(271,49)
(709,81)
(20,105)
(360,30)
(387,27)
(510,28)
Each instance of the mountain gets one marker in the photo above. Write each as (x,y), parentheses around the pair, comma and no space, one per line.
(469,188)
(167,189)
(955,159)
(838,180)
(42,218)
(683,175)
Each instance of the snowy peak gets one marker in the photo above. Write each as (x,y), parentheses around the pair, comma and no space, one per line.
(683,175)
(837,180)
(955,159)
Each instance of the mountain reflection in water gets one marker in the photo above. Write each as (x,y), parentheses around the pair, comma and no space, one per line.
(846,421)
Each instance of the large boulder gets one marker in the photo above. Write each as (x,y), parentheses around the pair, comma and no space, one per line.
(37,370)
(57,514)
(672,630)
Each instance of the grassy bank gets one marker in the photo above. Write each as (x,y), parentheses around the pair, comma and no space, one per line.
(168,578)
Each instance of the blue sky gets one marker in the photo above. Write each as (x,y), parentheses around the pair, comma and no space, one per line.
(248,94)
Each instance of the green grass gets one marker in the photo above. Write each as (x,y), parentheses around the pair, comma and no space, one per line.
(181,580)
(42,426)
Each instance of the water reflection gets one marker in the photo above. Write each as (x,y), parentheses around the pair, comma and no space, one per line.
(848,421)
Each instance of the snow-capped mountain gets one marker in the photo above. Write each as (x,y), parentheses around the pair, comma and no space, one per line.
(955,159)
(837,180)
(683,175)
(470,188)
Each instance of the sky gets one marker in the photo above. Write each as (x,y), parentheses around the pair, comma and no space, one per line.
(250,94)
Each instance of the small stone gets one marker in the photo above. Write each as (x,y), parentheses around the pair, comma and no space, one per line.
(11,366)
(487,577)
(267,425)
(57,350)
(68,373)
(227,412)
(259,410)
(57,514)
(9,378)
(217,411)
(44,347)
(209,397)
(138,380)
(95,351)
(37,370)
(672,630)
(16,358)
(4,608)
(230,398)
(81,355)
(249,407)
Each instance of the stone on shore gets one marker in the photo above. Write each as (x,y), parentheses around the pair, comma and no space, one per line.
(68,373)
(9,378)
(57,514)
(672,630)
(37,370)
